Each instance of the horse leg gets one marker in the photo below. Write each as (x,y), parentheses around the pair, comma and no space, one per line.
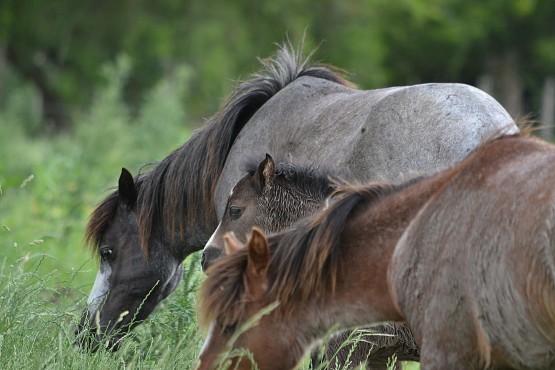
(373,347)
(392,339)
(440,358)
(452,336)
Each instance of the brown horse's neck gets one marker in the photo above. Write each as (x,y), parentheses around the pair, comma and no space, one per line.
(363,294)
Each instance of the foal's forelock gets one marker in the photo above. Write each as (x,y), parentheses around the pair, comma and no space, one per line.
(296,192)
(308,179)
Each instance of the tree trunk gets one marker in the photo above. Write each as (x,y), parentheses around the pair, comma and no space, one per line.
(3,65)
(503,81)
(547,114)
(55,112)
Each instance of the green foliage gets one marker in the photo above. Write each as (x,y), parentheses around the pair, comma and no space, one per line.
(60,46)
(39,313)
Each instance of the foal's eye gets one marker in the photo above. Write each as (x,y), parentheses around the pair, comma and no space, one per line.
(105,253)
(235,212)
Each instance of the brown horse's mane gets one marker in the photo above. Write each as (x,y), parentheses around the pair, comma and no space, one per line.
(304,260)
(170,194)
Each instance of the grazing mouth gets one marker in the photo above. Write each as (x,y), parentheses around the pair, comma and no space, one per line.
(91,336)
(90,341)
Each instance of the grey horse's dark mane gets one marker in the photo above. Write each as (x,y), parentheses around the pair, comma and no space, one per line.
(179,190)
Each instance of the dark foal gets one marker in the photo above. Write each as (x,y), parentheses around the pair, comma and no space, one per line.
(466,257)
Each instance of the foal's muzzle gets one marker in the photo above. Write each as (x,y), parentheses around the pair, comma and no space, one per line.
(209,256)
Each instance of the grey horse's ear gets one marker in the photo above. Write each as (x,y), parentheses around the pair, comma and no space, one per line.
(289,158)
(266,171)
(126,188)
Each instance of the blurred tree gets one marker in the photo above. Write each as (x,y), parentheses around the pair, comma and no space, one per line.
(508,48)
(59,47)
(508,45)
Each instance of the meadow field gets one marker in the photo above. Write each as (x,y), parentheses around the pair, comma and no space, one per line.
(48,187)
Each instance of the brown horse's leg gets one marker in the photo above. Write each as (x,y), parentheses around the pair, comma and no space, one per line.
(452,334)
(374,348)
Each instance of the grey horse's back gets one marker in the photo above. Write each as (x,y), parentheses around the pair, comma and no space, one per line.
(385,134)
(434,126)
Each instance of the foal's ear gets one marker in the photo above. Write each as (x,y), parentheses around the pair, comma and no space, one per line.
(231,243)
(126,188)
(257,264)
(266,171)
(258,251)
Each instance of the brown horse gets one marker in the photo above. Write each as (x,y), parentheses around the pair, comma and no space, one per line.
(466,257)
(273,196)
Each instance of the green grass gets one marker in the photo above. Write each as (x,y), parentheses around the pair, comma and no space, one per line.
(48,188)
(37,321)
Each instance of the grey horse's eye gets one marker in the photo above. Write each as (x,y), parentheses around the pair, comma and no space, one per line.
(235,212)
(105,253)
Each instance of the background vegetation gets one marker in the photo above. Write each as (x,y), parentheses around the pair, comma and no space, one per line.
(506,47)
(89,87)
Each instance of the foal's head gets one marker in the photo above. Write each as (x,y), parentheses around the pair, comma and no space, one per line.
(272,196)
(241,313)
(250,297)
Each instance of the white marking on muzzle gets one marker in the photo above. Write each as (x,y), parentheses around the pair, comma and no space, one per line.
(211,240)
(99,289)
